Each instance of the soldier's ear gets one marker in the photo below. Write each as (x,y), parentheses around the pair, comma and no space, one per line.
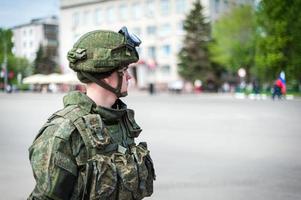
(111,78)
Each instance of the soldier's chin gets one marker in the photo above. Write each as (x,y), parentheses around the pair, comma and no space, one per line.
(123,94)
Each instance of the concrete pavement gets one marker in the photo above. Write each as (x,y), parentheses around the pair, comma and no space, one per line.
(204,147)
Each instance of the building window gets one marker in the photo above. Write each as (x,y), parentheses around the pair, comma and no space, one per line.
(165,30)
(98,17)
(180,26)
(137,31)
(139,50)
(225,4)
(123,13)
(24,44)
(30,44)
(111,14)
(216,5)
(30,31)
(151,52)
(165,50)
(76,37)
(136,11)
(179,47)
(75,19)
(180,6)
(86,18)
(151,30)
(150,8)
(165,69)
(165,7)
(24,32)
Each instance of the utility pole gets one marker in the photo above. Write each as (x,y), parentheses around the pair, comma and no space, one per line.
(4,64)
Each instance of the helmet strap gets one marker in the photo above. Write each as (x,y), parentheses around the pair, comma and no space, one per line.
(103,84)
(120,74)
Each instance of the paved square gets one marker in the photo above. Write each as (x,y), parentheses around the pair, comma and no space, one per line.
(211,147)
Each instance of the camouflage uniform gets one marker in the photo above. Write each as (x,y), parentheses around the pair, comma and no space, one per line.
(85,151)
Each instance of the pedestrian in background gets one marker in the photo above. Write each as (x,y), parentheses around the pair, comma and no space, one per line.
(279,88)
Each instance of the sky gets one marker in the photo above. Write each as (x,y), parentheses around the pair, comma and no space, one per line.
(17,12)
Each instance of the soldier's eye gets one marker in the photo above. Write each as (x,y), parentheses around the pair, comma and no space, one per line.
(125,69)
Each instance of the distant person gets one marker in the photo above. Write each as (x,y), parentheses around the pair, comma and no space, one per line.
(151,88)
(87,150)
(197,86)
(226,87)
(9,88)
(256,87)
(279,88)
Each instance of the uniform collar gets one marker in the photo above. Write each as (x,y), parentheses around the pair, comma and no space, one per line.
(113,114)
(80,99)
(84,102)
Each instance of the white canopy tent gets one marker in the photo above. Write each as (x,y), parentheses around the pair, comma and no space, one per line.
(34,79)
(54,78)
(70,79)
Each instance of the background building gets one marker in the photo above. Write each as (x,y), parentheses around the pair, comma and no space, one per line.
(159,24)
(27,38)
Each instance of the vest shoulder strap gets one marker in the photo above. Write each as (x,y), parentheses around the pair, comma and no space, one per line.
(89,126)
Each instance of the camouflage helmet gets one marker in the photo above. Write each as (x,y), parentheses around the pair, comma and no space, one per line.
(102,51)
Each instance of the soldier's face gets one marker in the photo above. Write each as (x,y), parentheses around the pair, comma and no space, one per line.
(125,80)
(113,80)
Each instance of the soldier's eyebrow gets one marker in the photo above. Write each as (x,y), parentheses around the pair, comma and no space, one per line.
(124,68)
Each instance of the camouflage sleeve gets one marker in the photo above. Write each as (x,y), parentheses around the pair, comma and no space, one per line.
(53,165)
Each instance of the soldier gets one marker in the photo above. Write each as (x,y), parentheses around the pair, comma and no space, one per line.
(87,150)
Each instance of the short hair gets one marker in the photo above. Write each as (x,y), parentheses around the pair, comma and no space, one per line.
(98,76)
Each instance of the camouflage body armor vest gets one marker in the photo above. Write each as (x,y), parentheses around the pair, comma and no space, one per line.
(105,162)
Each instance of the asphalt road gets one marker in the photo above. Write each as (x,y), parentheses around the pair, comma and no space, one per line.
(211,147)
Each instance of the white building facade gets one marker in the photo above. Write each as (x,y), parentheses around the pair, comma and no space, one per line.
(158,23)
(27,38)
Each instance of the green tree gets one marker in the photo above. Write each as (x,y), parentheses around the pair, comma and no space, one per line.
(15,65)
(5,43)
(233,36)
(193,57)
(43,64)
(279,41)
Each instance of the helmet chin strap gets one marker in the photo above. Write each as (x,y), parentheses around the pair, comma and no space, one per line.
(101,83)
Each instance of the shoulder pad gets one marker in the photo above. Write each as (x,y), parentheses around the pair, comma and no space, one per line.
(65,111)
(64,130)
(72,112)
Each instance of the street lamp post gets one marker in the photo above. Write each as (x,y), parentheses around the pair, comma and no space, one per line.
(4,66)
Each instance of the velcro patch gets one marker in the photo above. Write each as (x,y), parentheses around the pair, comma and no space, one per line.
(64,162)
